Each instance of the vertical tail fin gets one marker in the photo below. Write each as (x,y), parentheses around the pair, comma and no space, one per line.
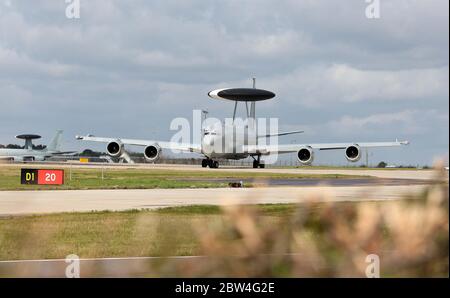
(55,144)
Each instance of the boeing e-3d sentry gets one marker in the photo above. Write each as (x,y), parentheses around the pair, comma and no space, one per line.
(30,154)
(246,142)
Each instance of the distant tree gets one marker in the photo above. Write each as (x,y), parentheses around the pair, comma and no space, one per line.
(91,153)
(382,164)
(136,154)
(13,146)
(39,147)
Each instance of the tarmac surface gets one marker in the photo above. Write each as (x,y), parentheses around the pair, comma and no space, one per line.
(28,202)
(314,182)
(109,267)
(37,202)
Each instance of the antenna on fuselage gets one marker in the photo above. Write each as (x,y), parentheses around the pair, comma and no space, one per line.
(246,103)
(252,105)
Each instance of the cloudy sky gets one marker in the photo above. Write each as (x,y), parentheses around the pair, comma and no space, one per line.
(127,68)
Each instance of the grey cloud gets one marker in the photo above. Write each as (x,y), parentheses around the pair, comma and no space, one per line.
(319,85)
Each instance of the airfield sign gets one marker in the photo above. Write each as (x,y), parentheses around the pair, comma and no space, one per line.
(42,177)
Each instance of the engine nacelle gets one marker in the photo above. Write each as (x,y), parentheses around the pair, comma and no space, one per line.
(353,153)
(115,148)
(305,155)
(152,153)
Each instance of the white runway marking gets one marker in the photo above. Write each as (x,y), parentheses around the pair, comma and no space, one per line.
(100,259)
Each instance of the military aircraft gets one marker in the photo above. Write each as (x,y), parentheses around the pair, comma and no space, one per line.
(30,154)
(245,141)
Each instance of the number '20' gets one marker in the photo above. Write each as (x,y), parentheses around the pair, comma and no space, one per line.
(50,177)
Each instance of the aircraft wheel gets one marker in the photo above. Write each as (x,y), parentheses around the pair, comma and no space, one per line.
(255,164)
(204,163)
(215,164)
(262,166)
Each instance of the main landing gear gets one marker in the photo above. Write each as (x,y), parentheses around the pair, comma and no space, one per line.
(213,164)
(257,163)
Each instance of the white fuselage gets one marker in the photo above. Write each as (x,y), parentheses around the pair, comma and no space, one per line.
(227,141)
(23,154)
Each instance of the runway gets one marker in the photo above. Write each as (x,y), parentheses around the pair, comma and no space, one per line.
(109,267)
(313,182)
(27,202)
(378,173)
(96,267)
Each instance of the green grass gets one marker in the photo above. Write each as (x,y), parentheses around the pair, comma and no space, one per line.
(266,209)
(170,231)
(91,178)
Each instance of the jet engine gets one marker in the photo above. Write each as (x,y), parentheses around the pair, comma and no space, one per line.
(115,148)
(353,153)
(305,155)
(152,153)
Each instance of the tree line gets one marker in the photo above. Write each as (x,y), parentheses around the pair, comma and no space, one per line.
(15,146)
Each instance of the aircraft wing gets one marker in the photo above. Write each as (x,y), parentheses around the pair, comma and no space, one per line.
(281,134)
(164,145)
(287,148)
(63,153)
